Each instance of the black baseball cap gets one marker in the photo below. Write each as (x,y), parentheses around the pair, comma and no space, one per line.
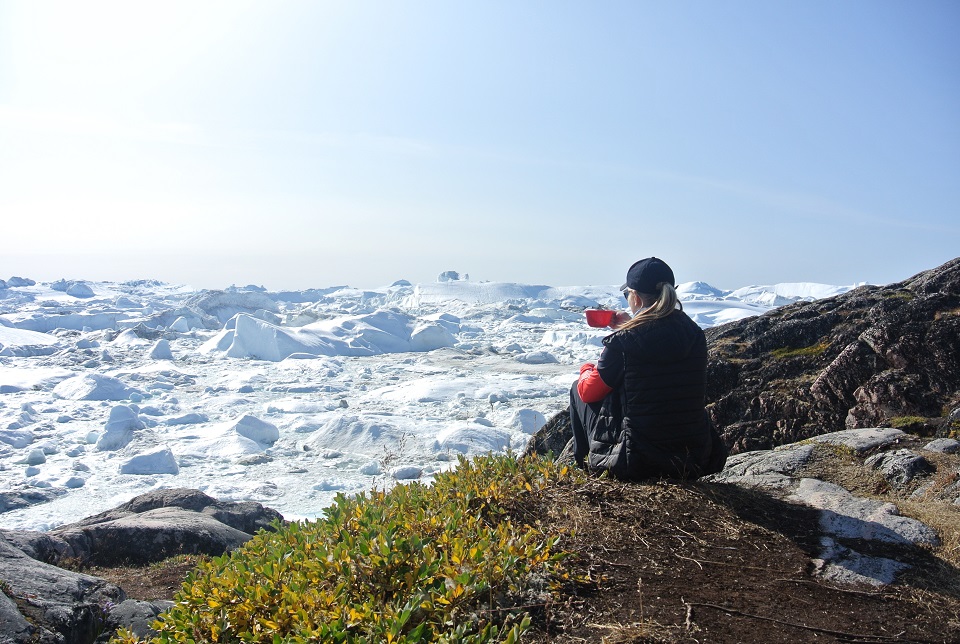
(646,275)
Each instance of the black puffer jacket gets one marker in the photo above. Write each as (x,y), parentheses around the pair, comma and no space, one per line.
(653,424)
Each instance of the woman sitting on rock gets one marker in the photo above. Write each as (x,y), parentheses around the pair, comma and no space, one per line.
(639,412)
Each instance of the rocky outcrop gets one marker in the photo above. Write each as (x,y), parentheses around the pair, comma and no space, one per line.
(553,438)
(872,356)
(21,496)
(154,526)
(135,616)
(864,538)
(43,603)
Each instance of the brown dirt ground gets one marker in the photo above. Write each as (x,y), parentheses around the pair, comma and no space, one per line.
(704,562)
(151,582)
(698,562)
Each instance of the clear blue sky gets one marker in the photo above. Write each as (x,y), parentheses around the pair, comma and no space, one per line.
(307,144)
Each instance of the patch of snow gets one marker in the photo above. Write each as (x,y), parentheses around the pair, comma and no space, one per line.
(93,387)
(156,461)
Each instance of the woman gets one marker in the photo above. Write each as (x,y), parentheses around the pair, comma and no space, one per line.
(639,412)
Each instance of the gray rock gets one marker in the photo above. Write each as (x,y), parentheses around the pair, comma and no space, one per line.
(247,516)
(553,437)
(13,626)
(943,446)
(953,416)
(162,523)
(935,490)
(862,440)
(63,606)
(842,565)
(136,616)
(151,536)
(23,496)
(566,456)
(851,517)
(38,545)
(900,466)
(768,469)
(847,519)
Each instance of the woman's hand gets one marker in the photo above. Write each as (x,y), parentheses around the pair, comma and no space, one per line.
(619,319)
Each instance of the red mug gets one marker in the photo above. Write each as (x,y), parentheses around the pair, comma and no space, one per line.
(599,317)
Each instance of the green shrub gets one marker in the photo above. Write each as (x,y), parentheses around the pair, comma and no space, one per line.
(789,352)
(902,422)
(438,563)
(900,295)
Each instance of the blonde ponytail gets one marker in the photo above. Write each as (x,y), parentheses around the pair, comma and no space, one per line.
(666,303)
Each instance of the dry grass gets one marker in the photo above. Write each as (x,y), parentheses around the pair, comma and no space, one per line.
(156,581)
(682,562)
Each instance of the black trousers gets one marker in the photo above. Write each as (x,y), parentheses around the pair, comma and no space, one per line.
(583,420)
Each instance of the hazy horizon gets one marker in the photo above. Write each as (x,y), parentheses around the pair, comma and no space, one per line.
(309,144)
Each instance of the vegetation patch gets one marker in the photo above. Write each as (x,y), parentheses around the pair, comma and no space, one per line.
(661,561)
(905,422)
(790,352)
(447,562)
(951,313)
(730,348)
(900,295)
(840,450)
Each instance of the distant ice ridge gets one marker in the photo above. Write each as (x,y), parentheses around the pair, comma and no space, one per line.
(709,306)
(480,293)
(365,335)
(402,317)
(787,293)
(695,290)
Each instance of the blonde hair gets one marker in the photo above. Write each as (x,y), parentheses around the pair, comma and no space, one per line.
(665,304)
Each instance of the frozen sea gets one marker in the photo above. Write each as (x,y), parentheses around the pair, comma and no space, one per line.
(109,390)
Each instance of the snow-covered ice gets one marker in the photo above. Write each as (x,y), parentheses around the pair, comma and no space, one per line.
(108,390)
